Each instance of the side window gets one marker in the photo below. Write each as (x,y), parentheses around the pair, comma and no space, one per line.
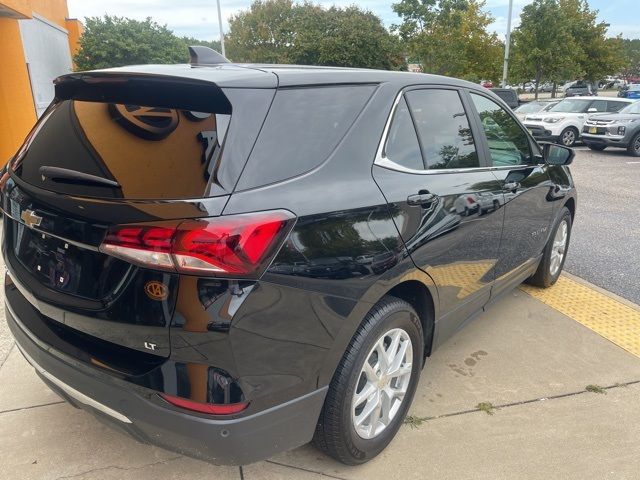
(402,145)
(615,106)
(303,128)
(599,105)
(443,129)
(508,142)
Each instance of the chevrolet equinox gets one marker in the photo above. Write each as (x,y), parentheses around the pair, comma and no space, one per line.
(233,260)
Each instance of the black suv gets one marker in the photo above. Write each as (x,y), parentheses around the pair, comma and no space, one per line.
(232,260)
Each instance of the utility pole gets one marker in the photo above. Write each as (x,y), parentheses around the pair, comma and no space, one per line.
(505,67)
(222,31)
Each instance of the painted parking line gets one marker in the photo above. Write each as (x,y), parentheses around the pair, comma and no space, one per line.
(612,319)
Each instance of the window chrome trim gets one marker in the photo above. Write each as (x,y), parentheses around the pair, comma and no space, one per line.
(384,162)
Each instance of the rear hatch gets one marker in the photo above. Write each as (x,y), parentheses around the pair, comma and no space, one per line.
(115,149)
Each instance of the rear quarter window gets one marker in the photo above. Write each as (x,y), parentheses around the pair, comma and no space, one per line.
(302,129)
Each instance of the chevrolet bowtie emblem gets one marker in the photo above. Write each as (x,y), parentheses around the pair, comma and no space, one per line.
(30,218)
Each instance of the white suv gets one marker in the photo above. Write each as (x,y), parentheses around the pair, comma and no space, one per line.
(564,121)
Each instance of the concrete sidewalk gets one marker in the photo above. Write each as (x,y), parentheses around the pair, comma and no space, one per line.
(521,356)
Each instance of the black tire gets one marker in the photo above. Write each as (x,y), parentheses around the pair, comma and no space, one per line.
(597,148)
(335,432)
(544,277)
(569,136)
(634,145)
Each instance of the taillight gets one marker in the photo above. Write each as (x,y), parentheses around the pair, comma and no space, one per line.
(231,246)
(210,408)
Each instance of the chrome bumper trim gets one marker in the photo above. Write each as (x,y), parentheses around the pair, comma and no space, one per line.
(68,389)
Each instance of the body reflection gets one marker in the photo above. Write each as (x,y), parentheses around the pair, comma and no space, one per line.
(340,246)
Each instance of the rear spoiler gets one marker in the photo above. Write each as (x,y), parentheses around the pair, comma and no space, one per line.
(143,89)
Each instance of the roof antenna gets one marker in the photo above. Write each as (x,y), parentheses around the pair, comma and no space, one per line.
(200,55)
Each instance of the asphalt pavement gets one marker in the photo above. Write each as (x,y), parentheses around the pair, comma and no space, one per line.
(605,242)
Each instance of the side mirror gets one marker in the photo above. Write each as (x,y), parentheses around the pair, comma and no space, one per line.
(554,154)
(592,110)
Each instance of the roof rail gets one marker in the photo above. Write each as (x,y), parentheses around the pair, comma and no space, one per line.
(199,55)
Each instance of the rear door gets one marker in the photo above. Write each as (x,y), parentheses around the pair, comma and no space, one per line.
(444,199)
(526,186)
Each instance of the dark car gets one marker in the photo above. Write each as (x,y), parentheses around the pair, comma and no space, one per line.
(620,130)
(165,228)
(579,89)
(508,96)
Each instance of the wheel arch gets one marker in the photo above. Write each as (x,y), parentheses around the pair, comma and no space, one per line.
(415,287)
(571,206)
(417,294)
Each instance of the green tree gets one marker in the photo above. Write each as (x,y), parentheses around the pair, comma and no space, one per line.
(596,55)
(215,44)
(631,57)
(450,37)
(112,41)
(543,47)
(357,38)
(281,31)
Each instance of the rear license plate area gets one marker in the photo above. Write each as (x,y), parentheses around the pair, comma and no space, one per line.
(54,262)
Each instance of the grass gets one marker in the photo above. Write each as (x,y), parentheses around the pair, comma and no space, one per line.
(413,421)
(486,407)
(595,389)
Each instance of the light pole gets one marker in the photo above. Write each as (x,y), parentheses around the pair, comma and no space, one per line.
(221,30)
(507,44)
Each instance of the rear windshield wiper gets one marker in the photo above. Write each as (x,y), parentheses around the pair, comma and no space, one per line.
(58,174)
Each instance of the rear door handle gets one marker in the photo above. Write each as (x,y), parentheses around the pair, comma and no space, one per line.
(511,186)
(421,198)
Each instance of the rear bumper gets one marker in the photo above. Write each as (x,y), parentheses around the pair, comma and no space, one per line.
(236,441)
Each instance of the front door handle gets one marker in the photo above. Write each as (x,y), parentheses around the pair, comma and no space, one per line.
(422,198)
(511,186)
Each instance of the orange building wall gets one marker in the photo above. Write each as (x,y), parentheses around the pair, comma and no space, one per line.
(23,7)
(55,11)
(17,110)
(75,29)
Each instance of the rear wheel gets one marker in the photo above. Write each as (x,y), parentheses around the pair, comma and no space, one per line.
(634,146)
(569,136)
(555,252)
(374,384)
(597,148)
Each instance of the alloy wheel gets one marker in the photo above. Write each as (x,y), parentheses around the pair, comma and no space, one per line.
(382,383)
(559,247)
(568,138)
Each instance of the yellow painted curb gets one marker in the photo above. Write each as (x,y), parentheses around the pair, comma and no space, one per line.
(610,318)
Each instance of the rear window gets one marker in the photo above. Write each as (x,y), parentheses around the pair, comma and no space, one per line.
(302,129)
(151,152)
(509,96)
(530,107)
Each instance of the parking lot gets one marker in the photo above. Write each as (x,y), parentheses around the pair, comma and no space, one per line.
(541,385)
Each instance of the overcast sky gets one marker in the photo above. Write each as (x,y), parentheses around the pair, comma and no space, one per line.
(198,18)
